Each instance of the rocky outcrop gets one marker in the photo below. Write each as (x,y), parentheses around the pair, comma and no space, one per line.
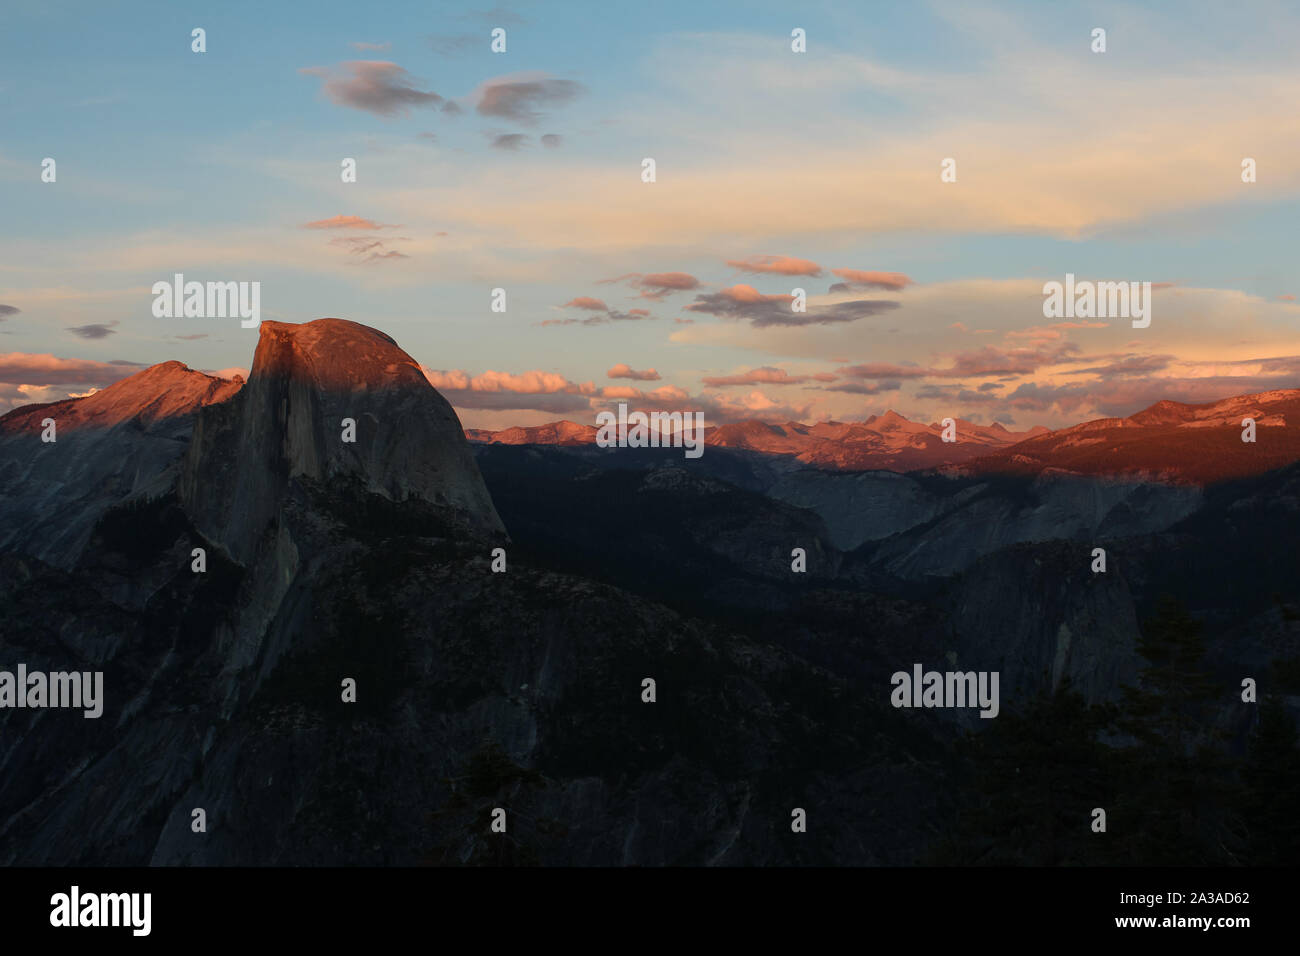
(930,526)
(290,424)
(1039,615)
(864,506)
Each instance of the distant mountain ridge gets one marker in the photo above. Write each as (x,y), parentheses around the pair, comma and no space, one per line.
(554,433)
(1168,441)
(888,441)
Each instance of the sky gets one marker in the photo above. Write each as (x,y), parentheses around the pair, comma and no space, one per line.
(775,170)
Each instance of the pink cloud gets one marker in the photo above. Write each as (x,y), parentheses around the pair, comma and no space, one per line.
(669,280)
(779,265)
(536,382)
(622,370)
(586,302)
(620,391)
(893,281)
(27,368)
(748,294)
(346,222)
(535,390)
(656,285)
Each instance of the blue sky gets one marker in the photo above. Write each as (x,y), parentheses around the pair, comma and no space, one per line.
(1116,165)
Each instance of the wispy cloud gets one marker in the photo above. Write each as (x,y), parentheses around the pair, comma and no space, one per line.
(861,279)
(656,285)
(346,222)
(521,97)
(746,302)
(375,86)
(455,44)
(512,142)
(766,375)
(776,265)
(368,249)
(94,330)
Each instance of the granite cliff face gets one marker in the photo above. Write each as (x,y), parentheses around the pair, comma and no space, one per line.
(1041,617)
(983,518)
(110,445)
(288,425)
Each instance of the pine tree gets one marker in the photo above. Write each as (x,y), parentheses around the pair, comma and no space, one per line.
(1177,793)
(1034,779)
(1272,780)
(1174,697)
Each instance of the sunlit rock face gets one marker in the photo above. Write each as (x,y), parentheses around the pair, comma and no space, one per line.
(110,445)
(290,422)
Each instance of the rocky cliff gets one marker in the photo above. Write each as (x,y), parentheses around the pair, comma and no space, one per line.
(290,423)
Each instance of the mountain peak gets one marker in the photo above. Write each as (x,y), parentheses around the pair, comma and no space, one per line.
(333,353)
(168,390)
(325,400)
(891,421)
(1164,412)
